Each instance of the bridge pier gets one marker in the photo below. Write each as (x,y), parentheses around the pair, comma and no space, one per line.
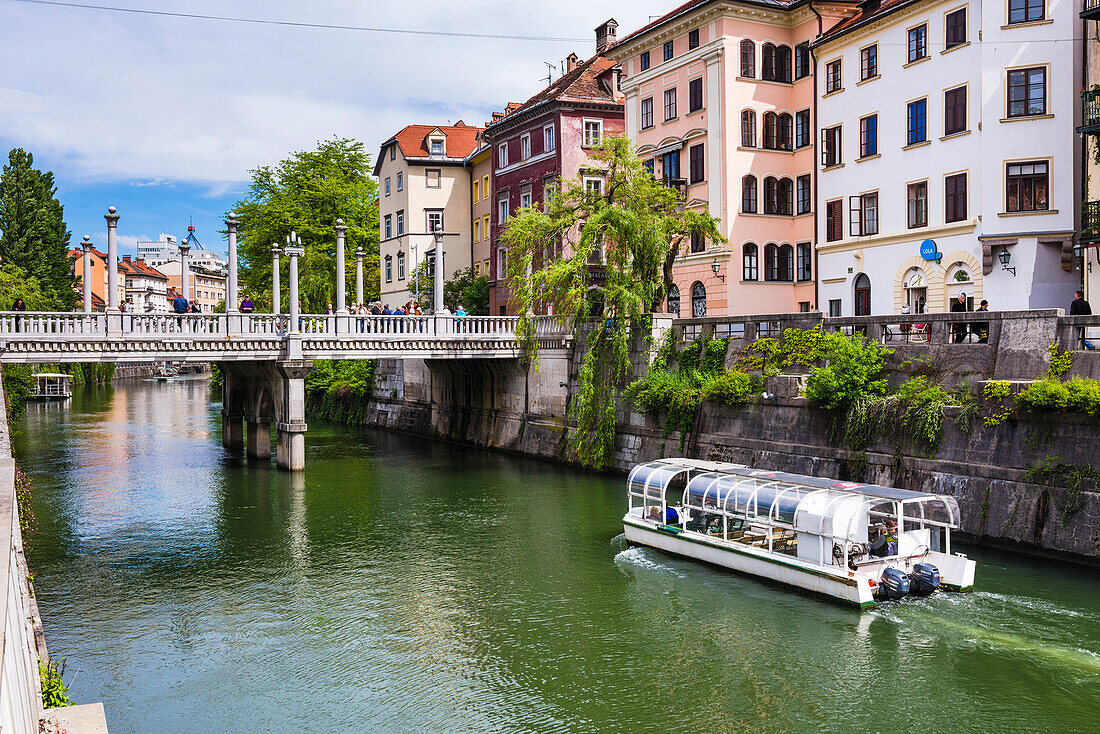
(290,443)
(232,431)
(258,445)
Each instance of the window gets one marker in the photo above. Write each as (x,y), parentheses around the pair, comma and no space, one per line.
(525,147)
(786,264)
(803,194)
(477,269)
(830,147)
(802,129)
(783,64)
(434,221)
(432,178)
(670,165)
(693,39)
(400,180)
(748,195)
(868,62)
(778,195)
(548,139)
(917,122)
(502,155)
(750,262)
(593,132)
(862,288)
(502,262)
(1027,187)
(389,268)
(748,59)
(767,54)
(549,189)
(485,185)
(674,300)
(1027,92)
(802,60)
(400,222)
(485,229)
(594,186)
(916,196)
(670,104)
(954,28)
(698,242)
(649,164)
(477,191)
(695,95)
(833,77)
(695,156)
(805,262)
(1025,11)
(668,51)
(864,214)
(834,220)
(643,61)
(699,301)
(868,136)
(393,152)
(387,187)
(771,262)
(647,113)
(525,197)
(918,42)
(954,111)
(954,198)
(771,130)
(477,230)
(502,209)
(400,266)
(785,133)
(748,129)
(437,147)
(389,226)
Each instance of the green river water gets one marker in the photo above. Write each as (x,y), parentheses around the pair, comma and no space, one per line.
(405,585)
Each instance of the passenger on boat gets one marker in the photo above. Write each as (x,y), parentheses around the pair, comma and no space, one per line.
(672,517)
(884,540)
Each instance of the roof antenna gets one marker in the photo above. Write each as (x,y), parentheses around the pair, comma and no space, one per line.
(549,73)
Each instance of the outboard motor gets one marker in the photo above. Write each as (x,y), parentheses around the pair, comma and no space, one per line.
(925,579)
(893,584)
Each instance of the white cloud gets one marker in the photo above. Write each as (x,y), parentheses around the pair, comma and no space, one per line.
(123,97)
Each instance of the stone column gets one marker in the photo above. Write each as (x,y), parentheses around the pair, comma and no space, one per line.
(86,245)
(112,259)
(258,445)
(290,444)
(292,294)
(231,296)
(359,274)
(276,296)
(437,281)
(185,281)
(341,285)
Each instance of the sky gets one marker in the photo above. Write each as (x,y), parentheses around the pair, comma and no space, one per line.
(164,117)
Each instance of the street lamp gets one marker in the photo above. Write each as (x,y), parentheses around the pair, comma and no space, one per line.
(1005,257)
(716,266)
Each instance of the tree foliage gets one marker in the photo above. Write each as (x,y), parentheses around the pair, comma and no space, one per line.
(33,235)
(463,289)
(601,262)
(306,193)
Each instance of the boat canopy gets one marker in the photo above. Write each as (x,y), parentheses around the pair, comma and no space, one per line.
(651,481)
(56,375)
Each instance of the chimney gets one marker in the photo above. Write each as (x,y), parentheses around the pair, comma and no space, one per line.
(126,258)
(605,35)
(571,63)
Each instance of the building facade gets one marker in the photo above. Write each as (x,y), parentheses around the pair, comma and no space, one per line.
(146,287)
(99,277)
(480,165)
(948,163)
(548,138)
(1089,230)
(424,186)
(206,286)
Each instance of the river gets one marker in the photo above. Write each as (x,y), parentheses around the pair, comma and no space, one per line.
(406,585)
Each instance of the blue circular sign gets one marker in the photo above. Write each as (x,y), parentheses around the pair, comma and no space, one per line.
(928,250)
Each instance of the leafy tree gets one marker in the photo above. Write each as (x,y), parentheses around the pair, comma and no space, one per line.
(464,288)
(306,193)
(603,259)
(33,233)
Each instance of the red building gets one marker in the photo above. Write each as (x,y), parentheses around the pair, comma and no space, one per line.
(547,139)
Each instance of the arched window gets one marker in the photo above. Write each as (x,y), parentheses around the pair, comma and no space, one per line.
(401,266)
(389,268)
(783,64)
(863,295)
(748,129)
(771,195)
(771,262)
(748,195)
(767,52)
(771,130)
(698,300)
(674,300)
(786,264)
(785,203)
(785,133)
(751,262)
(748,59)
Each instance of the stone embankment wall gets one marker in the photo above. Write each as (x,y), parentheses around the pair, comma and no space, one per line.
(500,405)
(128,371)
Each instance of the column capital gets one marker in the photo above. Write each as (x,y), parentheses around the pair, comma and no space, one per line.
(276,251)
(231,223)
(111,216)
(86,243)
(359,252)
(340,228)
(294,369)
(293,252)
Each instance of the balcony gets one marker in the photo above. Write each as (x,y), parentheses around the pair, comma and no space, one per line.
(1090,223)
(1091,10)
(1090,107)
(681,184)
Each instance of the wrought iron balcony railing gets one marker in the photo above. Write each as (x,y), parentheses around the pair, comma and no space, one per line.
(1090,10)
(1090,221)
(1090,108)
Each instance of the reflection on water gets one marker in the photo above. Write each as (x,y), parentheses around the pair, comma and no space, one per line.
(403,585)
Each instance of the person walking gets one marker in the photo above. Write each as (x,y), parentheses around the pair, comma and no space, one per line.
(981,328)
(246,304)
(18,306)
(959,329)
(1081,307)
(179,305)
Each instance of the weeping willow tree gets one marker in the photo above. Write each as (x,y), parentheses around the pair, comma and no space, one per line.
(599,258)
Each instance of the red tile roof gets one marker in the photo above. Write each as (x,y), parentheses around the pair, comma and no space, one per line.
(887,6)
(580,85)
(690,5)
(413,139)
(138,267)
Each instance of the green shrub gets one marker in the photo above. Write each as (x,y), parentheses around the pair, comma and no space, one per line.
(854,367)
(730,388)
(1060,364)
(54,691)
(689,355)
(1083,395)
(713,357)
(1045,395)
(997,391)
(340,391)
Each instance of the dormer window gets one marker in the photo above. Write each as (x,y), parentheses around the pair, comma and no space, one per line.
(436,147)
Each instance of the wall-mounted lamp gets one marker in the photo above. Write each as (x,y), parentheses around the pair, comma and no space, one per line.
(716,266)
(1005,257)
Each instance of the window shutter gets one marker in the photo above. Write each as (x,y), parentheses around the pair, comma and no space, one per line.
(854,218)
(824,148)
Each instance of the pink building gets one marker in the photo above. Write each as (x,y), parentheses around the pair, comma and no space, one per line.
(546,139)
(719,100)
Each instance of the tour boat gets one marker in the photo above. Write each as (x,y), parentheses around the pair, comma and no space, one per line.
(857,543)
(51,386)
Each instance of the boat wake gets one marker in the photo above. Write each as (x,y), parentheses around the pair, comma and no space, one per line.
(639,558)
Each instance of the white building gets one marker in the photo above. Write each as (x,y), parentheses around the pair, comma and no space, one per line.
(166,250)
(146,287)
(947,146)
(165,243)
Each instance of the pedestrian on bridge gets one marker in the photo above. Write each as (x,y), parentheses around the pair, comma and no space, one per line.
(247,305)
(18,306)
